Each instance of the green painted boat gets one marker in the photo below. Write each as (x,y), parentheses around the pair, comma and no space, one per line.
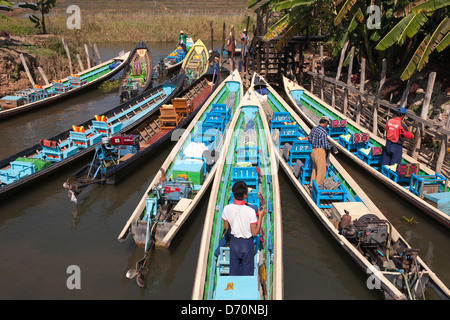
(413,181)
(249,157)
(184,176)
(392,267)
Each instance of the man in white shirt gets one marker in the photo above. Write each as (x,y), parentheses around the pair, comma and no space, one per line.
(244,226)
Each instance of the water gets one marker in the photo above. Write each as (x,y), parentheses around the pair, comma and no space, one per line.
(42,233)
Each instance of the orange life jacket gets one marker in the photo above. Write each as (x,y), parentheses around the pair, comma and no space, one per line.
(100,118)
(78,129)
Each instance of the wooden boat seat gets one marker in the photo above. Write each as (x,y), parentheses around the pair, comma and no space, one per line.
(214,119)
(279,119)
(85,139)
(337,128)
(300,150)
(354,141)
(16,171)
(288,134)
(246,174)
(323,197)
(401,172)
(372,155)
(60,87)
(181,106)
(169,118)
(222,109)
(248,154)
(55,152)
(75,81)
(426,184)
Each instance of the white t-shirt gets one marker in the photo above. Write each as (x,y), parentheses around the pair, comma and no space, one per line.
(239,217)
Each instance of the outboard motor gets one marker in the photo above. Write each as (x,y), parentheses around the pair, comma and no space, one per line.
(368,230)
(173,191)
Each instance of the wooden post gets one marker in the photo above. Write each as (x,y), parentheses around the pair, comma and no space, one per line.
(406,93)
(423,114)
(322,71)
(233,47)
(361,89)
(313,62)
(266,60)
(349,81)
(443,148)
(212,36)
(80,62)
(97,54)
(88,59)
(377,104)
(27,70)
(93,54)
(43,75)
(223,46)
(66,47)
(338,74)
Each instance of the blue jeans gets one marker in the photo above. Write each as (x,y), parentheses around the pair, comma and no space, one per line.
(241,256)
(392,153)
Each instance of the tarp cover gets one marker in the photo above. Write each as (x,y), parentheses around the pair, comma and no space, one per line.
(39,164)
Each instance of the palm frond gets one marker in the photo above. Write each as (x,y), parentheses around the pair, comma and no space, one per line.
(430,6)
(444,43)
(408,26)
(346,7)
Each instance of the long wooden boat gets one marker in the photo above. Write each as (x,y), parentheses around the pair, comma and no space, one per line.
(137,74)
(116,157)
(196,61)
(346,211)
(33,164)
(249,157)
(184,176)
(32,98)
(174,60)
(416,183)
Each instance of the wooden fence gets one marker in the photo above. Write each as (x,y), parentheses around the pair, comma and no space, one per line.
(372,112)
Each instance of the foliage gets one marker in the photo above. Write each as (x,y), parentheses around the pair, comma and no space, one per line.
(43,6)
(426,20)
(5,6)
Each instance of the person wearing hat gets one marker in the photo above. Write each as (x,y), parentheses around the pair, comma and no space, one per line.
(230,48)
(182,39)
(396,133)
(318,138)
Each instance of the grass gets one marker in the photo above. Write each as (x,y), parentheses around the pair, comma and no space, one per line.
(151,21)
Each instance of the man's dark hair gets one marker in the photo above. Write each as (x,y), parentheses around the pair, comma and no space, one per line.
(239,189)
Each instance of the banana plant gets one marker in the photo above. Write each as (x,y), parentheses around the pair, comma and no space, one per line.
(43,6)
(419,20)
(5,6)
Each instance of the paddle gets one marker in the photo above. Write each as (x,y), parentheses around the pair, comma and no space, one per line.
(141,269)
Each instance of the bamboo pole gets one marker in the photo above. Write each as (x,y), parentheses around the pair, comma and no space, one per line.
(94,62)
(338,74)
(25,66)
(362,79)
(97,54)
(43,75)
(443,148)
(377,103)
(423,115)
(313,62)
(88,58)
(80,63)
(223,46)
(322,71)
(349,81)
(66,48)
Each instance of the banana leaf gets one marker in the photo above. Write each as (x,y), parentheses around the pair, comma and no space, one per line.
(346,7)
(430,6)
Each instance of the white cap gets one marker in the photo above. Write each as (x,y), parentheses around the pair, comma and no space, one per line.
(181,31)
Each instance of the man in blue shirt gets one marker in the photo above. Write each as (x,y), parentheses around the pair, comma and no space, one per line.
(318,138)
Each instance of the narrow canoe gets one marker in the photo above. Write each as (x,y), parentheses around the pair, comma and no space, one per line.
(249,157)
(186,173)
(420,188)
(33,164)
(137,74)
(392,266)
(113,161)
(40,96)
(196,62)
(174,60)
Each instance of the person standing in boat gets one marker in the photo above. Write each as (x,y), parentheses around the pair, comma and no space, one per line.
(244,225)
(396,133)
(182,39)
(318,138)
(231,45)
